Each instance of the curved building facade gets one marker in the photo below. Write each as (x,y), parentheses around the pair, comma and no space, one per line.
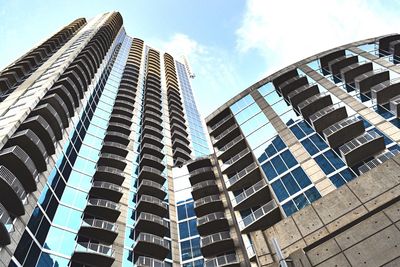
(93,122)
(308,155)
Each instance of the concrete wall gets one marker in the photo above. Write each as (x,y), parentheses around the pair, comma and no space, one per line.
(356,225)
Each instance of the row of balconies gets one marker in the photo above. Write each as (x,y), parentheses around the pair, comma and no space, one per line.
(99,229)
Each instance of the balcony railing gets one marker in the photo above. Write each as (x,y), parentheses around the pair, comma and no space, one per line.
(100,224)
(104,203)
(94,248)
(239,175)
(210,217)
(149,238)
(107,185)
(222,260)
(257,214)
(210,239)
(249,192)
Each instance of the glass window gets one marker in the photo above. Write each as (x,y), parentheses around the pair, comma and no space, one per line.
(312,194)
(290,184)
(183,230)
(279,190)
(300,201)
(301,177)
(278,164)
(324,164)
(186,251)
(269,170)
(289,208)
(288,159)
(181,212)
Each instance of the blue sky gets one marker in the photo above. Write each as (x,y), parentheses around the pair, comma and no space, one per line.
(230,44)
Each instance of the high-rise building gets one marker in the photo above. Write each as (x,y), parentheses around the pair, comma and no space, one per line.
(307,171)
(92,124)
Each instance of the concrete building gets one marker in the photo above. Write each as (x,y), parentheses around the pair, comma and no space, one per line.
(307,163)
(92,124)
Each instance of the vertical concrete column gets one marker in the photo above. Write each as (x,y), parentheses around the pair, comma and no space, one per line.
(311,168)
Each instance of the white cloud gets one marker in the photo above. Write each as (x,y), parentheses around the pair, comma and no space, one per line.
(216,75)
(285,31)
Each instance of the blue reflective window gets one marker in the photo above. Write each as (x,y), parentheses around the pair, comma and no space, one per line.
(270,150)
(324,164)
(280,190)
(192,227)
(300,201)
(301,177)
(337,180)
(183,230)
(278,143)
(196,247)
(297,132)
(312,194)
(289,208)
(290,184)
(288,159)
(309,146)
(181,212)
(334,159)
(262,158)
(278,164)
(348,175)
(190,209)
(269,171)
(318,142)
(305,127)
(186,251)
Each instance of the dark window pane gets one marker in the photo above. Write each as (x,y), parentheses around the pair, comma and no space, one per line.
(192,227)
(279,190)
(300,201)
(269,171)
(309,146)
(278,143)
(290,184)
(301,177)
(305,127)
(318,142)
(334,159)
(324,164)
(186,250)
(183,230)
(270,150)
(288,159)
(289,208)
(312,194)
(190,209)
(181,212)
(297,132)
(278,164)
(262,158)
(347,175)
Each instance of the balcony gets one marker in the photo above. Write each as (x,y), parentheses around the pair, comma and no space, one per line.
(178,143)
(150,188)
(152,108)
(262,218)
(324,60)
(231,148)
(151,246)
(151,161)
(365,81)
(119,128)
(125,98)
(395,106)
(152,150)
(349,73)
(292,84)
(180,153)
(93,254)
(181,135)
(212,223)
(5,222)
(223,124)
(101,230)
(151,204)
(21,165)
(207,205)
(109,174)
(202,174)
(122,111)
(246,177)
(33,147)
(216,244)
(302,93)
(104,209)
(151,139)
(237,162)
(227,260)
(117,137)
(153,115)
(106,190)
(383,92)
(343,131)
(152,131)
(152,174)
(180,129)
(362,148)
(125,104)
(253,196)
(114,148)
(336,65)
(327,116)
(205,188)
(112,160)
(150,262)
(117,118)
(378,160)
(226,136)
(315,103)
(150,223)
(153,123)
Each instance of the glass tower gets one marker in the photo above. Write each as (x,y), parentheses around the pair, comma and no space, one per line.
(94,124)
